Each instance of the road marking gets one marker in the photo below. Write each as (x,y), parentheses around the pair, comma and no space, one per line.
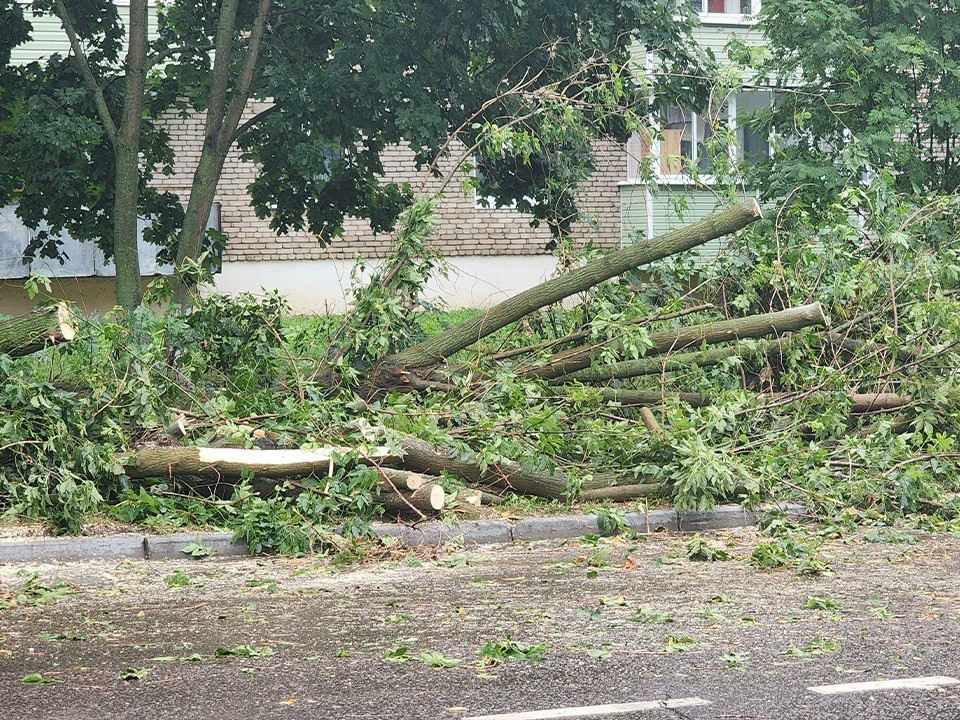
(920,683)
(590,710)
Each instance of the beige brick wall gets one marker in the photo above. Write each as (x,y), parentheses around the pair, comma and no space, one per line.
(464,229)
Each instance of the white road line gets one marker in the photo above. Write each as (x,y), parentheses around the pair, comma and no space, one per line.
(591,710)
(920,683)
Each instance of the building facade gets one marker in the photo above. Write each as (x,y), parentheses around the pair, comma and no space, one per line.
(491,252)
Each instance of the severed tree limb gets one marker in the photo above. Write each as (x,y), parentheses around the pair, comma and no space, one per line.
(860,403)
(656,365)
(25,334)
(753,326)
(390,371)
(428,498)
(584,334)
(424,457)
(232,463)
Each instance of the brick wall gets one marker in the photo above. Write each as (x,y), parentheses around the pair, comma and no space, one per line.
(464,229)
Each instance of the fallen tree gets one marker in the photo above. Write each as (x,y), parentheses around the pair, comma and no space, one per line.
(422,358)
(26,334)
(232,463)
(542,406)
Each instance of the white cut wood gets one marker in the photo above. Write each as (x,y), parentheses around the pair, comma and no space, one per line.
(594,710)
(224,463)
(931,682)
(245,456)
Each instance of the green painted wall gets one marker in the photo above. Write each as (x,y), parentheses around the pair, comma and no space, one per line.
(673,207)
(677,205)
(48,36)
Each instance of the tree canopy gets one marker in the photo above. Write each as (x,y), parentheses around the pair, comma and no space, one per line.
(337,81)
(866,85)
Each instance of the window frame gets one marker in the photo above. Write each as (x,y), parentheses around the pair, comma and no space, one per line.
(635,149)
(724,18)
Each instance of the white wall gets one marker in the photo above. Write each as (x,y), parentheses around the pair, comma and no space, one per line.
(322,286)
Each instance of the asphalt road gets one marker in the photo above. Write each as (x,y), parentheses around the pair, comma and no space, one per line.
(617,623)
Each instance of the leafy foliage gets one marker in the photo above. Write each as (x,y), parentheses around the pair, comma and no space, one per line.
(330,87)
(881,73)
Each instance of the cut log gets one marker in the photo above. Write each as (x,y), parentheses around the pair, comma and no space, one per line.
(402,479)
(391,371)
(231,463)
(422,456)
(650,422)
(470,497)
(428,498)
(755,326)
(25,334)
(620,493)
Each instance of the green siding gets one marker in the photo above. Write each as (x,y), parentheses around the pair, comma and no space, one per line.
(48,36)
(673,207)
(716,37)
(676,205)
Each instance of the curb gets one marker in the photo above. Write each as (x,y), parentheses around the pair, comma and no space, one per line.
(432,533)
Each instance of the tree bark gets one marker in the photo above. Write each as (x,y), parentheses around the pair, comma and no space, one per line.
(390,371)
(422,456)
(126,251)
(26,334)
(224,111)
(777,323)
(232,463)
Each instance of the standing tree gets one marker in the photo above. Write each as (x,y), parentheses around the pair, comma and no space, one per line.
(883,77)
(334,84)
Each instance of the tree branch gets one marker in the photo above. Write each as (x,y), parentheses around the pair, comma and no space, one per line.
(109,126)
(220,77)
(241,91)
(250,122)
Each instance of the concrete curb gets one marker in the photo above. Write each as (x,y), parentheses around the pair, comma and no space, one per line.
(433,533)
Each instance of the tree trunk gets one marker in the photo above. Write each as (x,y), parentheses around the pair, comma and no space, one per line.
(225,108)
(126,252)
(232,463)
(26,334)
(777,323)
(390,371)
(428,498)
(424,457)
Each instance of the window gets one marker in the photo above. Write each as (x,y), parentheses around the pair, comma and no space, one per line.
(725,7)
(725,11)
(676,147)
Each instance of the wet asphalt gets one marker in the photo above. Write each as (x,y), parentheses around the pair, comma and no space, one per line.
(619,621)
